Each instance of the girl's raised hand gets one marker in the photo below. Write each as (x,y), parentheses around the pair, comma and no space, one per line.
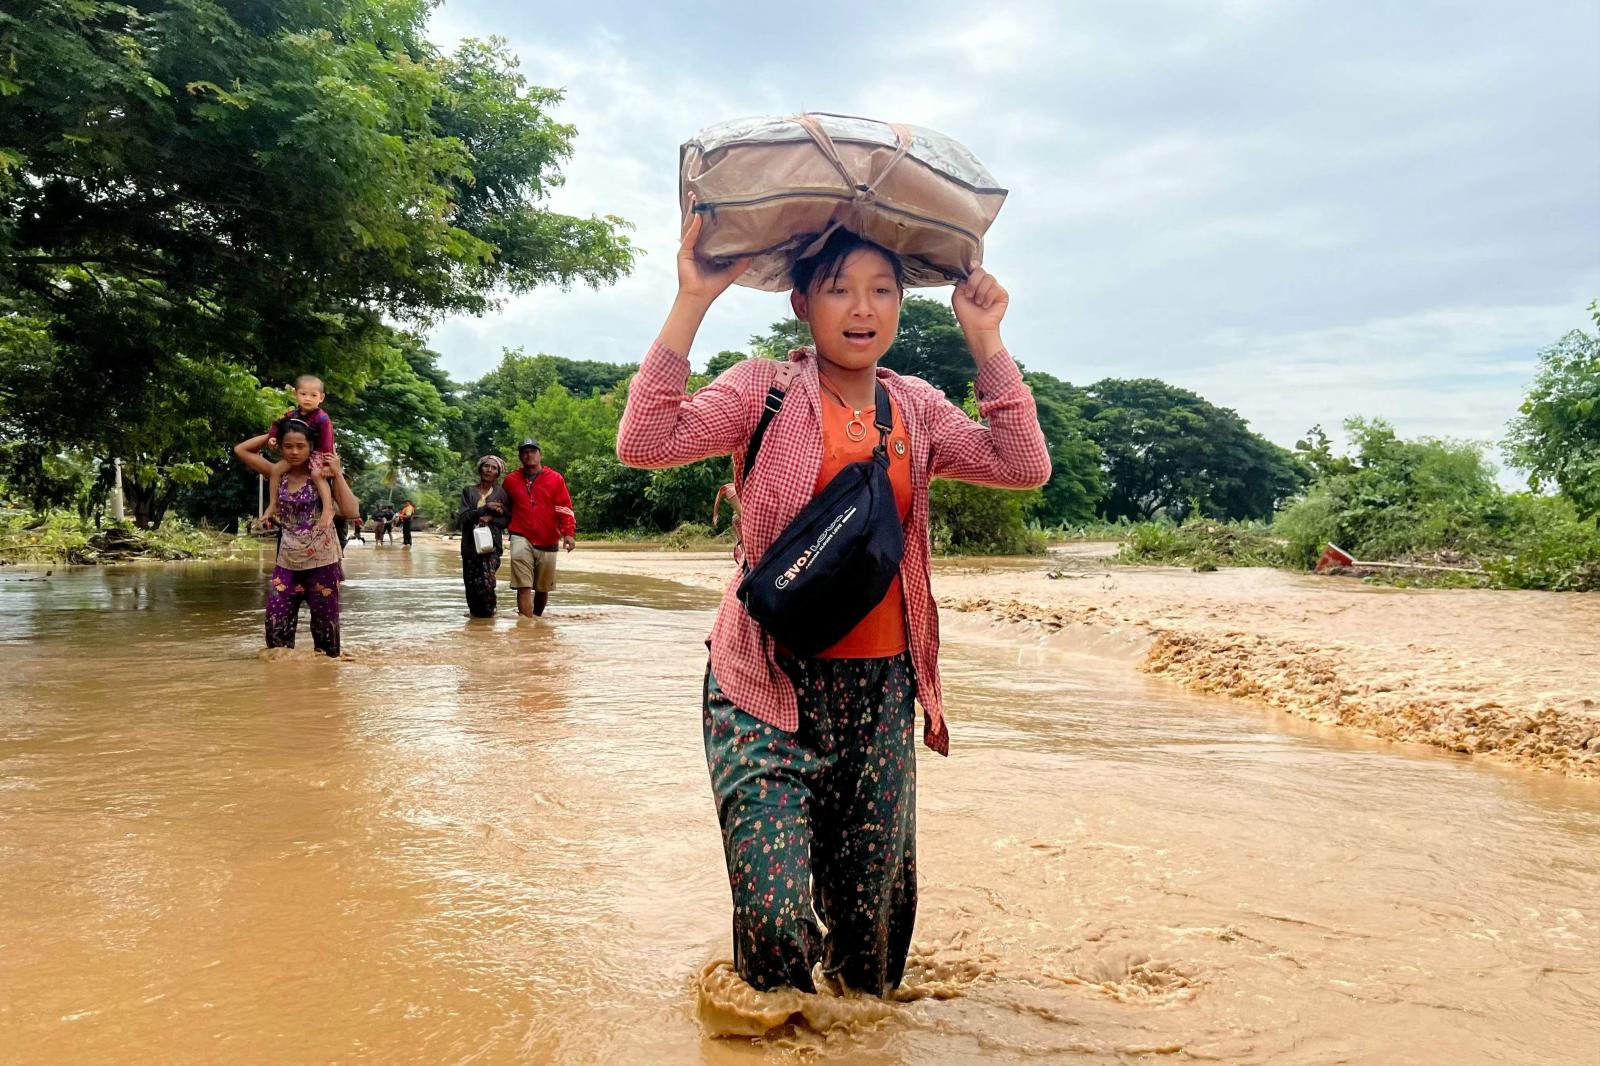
(697,278)
(979,303)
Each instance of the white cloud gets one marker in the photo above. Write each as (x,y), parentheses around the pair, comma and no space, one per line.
(1445,373)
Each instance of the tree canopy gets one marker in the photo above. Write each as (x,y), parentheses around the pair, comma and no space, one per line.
(234,193)
(1168,450)
(1556,438)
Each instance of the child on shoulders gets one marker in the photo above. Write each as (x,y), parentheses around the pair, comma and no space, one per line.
(308,396)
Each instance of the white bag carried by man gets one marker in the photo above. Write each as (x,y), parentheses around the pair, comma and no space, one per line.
(774,188)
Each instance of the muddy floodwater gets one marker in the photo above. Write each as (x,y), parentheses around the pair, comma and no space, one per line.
(494,842)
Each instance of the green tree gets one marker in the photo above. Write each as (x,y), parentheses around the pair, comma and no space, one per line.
(486,404)
(1077,481)
(568,427)
(978,519)
(782,338)
(1314,454)
(606,495)
(402,417)
(1556,438)
(168,413)
(981,520)
(1167,449)
(248,192)
(725,359)
(685,493)
(931,346)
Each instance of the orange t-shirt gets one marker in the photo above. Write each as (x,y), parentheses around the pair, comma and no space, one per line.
(882,632)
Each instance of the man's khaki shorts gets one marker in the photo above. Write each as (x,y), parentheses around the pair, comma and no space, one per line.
(532,568)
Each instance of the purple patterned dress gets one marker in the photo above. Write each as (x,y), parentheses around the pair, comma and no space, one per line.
(307,571)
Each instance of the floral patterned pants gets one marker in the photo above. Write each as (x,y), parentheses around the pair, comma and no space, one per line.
(820,825)
(478,575)
(318,589)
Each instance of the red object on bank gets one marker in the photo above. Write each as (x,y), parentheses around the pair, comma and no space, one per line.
(1334,556)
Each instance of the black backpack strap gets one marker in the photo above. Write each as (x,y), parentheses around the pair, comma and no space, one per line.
(883,418)
(775,394)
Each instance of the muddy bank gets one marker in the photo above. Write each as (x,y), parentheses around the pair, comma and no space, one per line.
(1506,676)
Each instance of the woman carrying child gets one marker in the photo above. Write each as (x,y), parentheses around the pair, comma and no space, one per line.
(483,505)
(307,568)
(812,759)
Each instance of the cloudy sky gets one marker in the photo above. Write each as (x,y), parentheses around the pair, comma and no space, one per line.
(1303,211)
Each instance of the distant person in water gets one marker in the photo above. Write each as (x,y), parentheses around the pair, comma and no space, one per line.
(542,523)
(483,506)
(307,567)
(349,529)
(408,511)
(384,517)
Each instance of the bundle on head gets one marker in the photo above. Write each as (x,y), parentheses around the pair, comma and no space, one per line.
(776,189)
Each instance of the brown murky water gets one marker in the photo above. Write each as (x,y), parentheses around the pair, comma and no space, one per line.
(493,842)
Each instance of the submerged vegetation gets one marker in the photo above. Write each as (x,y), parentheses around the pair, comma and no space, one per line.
(61,536)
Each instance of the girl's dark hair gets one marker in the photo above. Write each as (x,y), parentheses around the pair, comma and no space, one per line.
(829,260)
(295,425)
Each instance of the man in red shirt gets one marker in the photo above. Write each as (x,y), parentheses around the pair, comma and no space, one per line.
(542,523)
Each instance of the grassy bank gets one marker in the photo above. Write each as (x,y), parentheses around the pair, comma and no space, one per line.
(691,536)
(1533,543)
(64,537)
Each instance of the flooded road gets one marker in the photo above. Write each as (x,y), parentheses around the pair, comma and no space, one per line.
(494,842)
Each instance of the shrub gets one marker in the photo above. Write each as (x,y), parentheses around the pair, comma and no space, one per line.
(1547,546)
(1307,526)
(691,535)
(1203,542)
(1401,498)
(973,520)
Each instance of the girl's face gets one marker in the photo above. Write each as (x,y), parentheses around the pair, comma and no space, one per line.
(295,448)
(853,315)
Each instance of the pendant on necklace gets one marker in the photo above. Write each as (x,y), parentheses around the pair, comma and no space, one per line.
(856,429)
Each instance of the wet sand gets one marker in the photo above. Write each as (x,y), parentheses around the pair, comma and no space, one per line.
(1505,676)
(490,842)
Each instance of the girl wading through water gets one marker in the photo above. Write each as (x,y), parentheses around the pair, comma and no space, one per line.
(812,759)
(307,569)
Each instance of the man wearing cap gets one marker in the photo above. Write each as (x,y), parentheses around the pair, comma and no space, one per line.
(542,523)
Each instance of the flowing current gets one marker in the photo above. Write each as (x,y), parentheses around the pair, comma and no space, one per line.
(494,842)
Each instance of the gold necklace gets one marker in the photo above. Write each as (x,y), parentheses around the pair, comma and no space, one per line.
(855,429)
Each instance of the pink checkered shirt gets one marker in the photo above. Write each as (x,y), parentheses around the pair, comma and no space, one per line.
(663,427)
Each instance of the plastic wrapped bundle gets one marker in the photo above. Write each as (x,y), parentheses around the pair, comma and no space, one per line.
(774,188)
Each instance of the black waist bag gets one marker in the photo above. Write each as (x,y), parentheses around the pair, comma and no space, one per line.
(834,563)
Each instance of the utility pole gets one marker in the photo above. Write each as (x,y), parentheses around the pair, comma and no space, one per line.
(116,491)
